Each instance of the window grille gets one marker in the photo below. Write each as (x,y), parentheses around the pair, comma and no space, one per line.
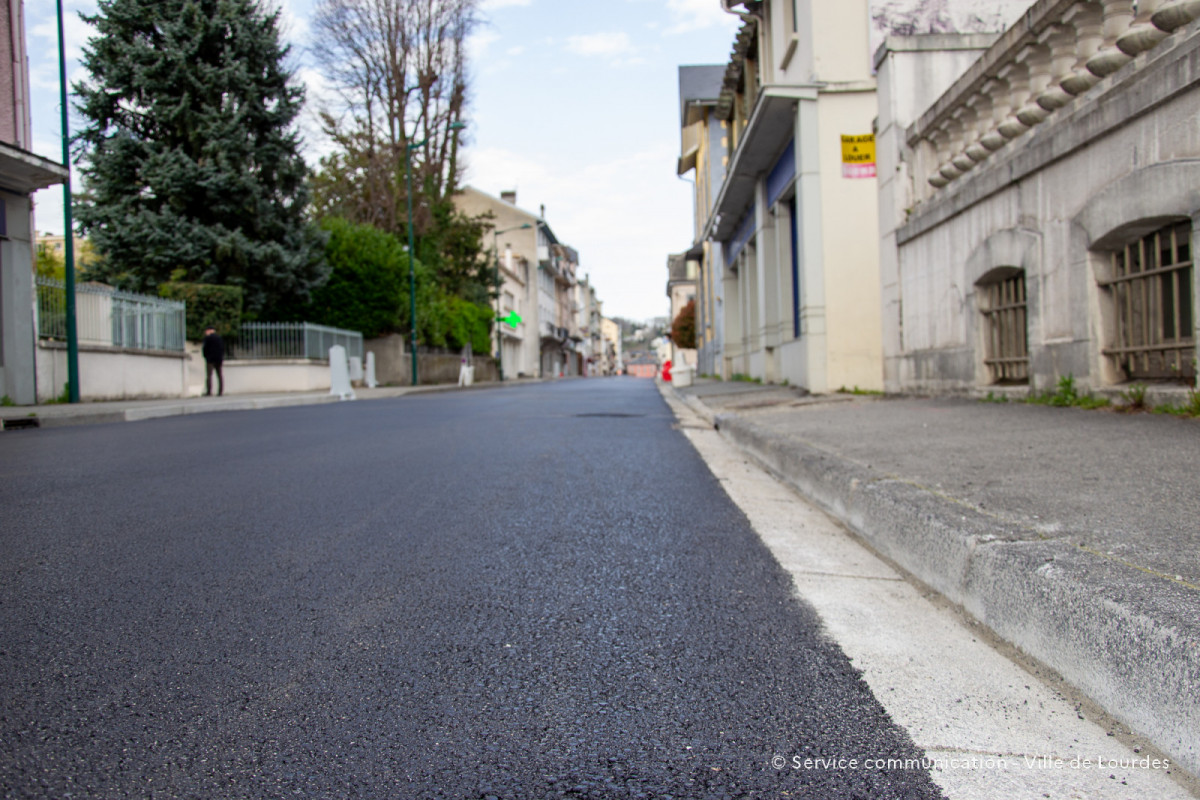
(1151,292)
(1006,341)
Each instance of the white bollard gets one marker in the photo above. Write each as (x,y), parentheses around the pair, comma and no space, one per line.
(370,379)
(339,373)
(356,369)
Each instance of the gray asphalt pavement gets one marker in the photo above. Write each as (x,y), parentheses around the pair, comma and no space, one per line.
(473,595)
(1071,534)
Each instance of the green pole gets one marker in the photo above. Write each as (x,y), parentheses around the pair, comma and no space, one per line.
(412,257)
(497,323)
(68,225)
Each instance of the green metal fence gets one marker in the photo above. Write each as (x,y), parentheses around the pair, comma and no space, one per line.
(107,317)
(266,340)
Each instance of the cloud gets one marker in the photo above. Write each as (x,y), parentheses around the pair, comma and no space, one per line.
(515,51)
(479,42)
(694,15)
(616,43)
(492,5)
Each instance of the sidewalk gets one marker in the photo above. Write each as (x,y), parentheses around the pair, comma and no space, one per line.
(1074,535)
(56,415)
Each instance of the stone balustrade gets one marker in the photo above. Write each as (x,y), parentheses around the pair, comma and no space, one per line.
(1057,51)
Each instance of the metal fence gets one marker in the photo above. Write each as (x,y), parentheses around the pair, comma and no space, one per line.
(266,340)
(110,318)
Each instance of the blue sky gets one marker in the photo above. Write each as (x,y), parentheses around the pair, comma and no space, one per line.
(575,105)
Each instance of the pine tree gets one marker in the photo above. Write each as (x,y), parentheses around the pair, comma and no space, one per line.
(191,152)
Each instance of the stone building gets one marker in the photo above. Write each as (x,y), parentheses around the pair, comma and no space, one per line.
(1039,211)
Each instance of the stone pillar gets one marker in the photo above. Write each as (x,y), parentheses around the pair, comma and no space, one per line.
(998,90)
(980,126)
(964,117)
(1016,75)
(952,134)
(1143,35)
(1061,41)
(1175,14)
(1118,16)
(1089,38)
(1037,56)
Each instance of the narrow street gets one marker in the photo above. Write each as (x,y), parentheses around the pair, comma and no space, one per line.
(486,594)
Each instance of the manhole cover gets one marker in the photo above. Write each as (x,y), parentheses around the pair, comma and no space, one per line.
(613,415)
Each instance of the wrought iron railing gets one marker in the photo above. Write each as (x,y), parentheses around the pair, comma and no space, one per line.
(268,340)
(107,317)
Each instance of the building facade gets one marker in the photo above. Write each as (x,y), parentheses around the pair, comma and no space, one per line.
(788,274)
(21,174)
(1043,214)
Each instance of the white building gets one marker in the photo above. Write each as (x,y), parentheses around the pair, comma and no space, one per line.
(1041,208)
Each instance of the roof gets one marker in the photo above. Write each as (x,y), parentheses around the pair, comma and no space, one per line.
(699,84)
(545,226)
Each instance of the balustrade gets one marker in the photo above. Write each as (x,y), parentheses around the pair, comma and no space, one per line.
(1042,72)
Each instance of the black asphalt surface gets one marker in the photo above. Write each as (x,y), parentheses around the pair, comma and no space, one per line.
(486,594)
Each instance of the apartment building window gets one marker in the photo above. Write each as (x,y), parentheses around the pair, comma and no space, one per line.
(1151,294)
(1006,342)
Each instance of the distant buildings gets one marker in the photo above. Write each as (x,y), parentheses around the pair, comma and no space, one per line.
(559,330)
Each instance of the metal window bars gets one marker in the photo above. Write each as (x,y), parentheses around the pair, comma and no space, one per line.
(278,340)
(1151,293)
(107,317)
(1006,340)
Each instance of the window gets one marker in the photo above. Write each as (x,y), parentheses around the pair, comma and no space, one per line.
(1151,294)
(1006,344)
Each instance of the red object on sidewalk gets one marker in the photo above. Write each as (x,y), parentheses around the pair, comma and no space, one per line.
(666,370)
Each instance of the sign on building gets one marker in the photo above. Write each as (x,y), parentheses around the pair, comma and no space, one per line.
(858,156)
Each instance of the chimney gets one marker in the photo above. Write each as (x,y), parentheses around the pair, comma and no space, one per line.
(543,213)
(509,196)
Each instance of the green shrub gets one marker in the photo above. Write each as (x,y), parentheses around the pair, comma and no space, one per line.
(207,305)
(368,281)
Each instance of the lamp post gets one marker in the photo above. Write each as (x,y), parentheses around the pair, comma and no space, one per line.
(412,252)
(499,333)
(68,228)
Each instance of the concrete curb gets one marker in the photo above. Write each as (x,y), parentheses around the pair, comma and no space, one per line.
(1126,638)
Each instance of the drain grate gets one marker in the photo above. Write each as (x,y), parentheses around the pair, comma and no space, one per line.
(613,415)
(19,423)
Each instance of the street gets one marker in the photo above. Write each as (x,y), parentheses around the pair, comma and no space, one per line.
(486,594)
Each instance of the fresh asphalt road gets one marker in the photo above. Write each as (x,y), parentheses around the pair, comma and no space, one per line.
(525,593)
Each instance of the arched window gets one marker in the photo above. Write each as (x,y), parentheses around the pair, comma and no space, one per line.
(1005,330)
(1151,293)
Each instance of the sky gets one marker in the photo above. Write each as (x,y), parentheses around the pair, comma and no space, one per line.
(574,104)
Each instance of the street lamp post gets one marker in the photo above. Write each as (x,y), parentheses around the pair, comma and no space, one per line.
(412,253)
(499,333)
(68,227)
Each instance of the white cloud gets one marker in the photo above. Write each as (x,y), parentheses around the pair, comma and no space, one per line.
(492,5)
(478,44)
(616,43)
(694,15)
(515,51)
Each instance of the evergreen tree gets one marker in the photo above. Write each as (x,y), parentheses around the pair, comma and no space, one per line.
(192,154)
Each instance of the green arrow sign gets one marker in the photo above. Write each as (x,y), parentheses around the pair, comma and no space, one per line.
(513,319)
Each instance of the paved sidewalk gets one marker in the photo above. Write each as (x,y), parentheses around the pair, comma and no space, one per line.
(55,415)
(1072,534)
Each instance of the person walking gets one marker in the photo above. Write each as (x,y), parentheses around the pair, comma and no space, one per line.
(214,355)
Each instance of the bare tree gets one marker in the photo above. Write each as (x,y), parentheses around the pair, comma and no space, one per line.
(400,71)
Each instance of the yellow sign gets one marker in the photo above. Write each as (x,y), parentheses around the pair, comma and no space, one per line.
(858,156)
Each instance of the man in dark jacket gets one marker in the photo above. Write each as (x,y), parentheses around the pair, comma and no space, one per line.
(214,356)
